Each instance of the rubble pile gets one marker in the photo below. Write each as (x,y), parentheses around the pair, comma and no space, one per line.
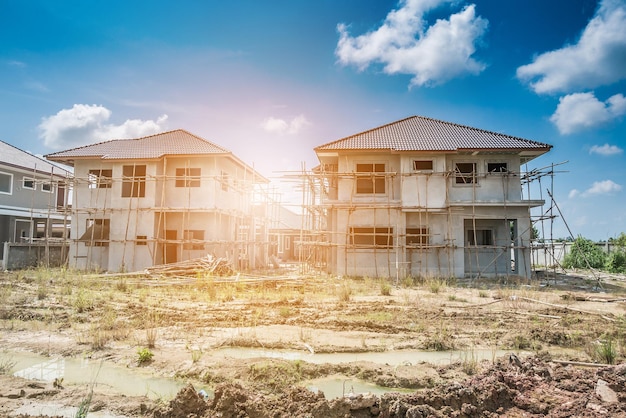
(532,388)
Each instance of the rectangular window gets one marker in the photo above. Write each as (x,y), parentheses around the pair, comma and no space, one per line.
(97,233)
(100,179)
(367,181)
(59,230)
(224,180)
(465,173)
(6,183)
(192,235)
(423,165)
(134,183)
(417,236)
(497,168)
(188,177)
(28,183)
(40,229)
(142,240)
(46,187)
(361,237)
(480,237)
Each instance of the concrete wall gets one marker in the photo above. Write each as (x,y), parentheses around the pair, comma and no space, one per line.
(22,197)
(431,198)
(19,256)
(554,254)
(223,196)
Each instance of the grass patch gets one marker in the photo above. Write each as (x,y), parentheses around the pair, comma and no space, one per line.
(144,355)
(344,293)
(6,364)
(385,288)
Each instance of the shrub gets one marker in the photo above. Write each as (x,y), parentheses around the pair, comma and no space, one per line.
(616,262)
(584,254)
(144,355)
(606,351)
(385,288)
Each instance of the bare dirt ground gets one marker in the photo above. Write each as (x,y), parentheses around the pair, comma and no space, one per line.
(179,328)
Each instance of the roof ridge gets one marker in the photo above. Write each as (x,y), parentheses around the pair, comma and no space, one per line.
(173,131)
(460,125)
(412,125)
(365,131)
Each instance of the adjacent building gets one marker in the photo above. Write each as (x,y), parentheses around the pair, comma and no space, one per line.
(163,199)
(424,197)
(33,197)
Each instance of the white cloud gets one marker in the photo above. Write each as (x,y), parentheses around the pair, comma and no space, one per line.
(583,110)
(86,124)
(597,59)
(573,193)
(604,187)
(17,64)
(606,150)
(280,126)
(403,46)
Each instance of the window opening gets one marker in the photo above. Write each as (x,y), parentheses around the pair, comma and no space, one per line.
(6,183)
(465,173)
(142,240)
(480,237)
(224,180)
(100,179)
(417,236)
(497,167)
(368,182)
(97,233)
(362,237)
(134,183)
(191,235)
(188,177)
(28,183)
(423,165)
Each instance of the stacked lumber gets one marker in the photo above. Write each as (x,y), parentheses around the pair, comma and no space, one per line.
(208,264)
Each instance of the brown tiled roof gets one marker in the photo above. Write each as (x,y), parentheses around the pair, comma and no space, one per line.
(418,133)
(178,142)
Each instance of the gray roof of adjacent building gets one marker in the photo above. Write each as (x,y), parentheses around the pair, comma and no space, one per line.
(14,157)
(419,133)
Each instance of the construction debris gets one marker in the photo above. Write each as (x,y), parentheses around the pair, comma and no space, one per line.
(208,264)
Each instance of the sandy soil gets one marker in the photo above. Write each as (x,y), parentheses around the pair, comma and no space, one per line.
(185,323)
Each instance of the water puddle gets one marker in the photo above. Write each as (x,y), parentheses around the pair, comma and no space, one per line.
(82,371)
(392,358)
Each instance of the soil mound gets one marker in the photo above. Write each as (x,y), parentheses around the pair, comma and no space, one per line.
(530,388)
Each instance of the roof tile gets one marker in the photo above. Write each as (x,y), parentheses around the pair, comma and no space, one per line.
(178,142)
(418,133)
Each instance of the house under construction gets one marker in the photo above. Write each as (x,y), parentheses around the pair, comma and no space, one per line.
(162,199)
(421,197)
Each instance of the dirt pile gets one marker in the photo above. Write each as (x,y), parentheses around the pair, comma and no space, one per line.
(534,388)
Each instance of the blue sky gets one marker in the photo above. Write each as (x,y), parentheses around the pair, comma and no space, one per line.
(270,80)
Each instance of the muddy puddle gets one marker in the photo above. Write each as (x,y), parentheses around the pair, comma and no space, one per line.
(392,358)
(138,382)
(84,371)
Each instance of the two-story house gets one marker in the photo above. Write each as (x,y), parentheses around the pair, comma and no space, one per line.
(423,197)
(33,197)
(162,199)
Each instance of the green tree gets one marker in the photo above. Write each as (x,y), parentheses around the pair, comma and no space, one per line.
(616,260)
(584,254)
